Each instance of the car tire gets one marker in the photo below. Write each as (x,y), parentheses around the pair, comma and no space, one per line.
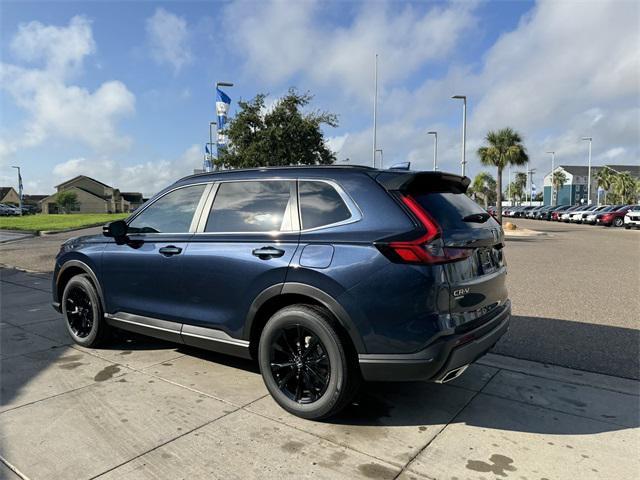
(82,312)
(306,364)
(618,222)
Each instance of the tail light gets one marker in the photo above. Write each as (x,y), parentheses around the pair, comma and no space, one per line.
(426,249)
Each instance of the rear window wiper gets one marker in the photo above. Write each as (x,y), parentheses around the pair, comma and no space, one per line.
(477,217)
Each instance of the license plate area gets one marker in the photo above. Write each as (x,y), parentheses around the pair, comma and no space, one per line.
(487,260)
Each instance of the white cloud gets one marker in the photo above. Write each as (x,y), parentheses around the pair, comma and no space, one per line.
(148,177)
(168,38)
(336,143)
(280,39)
(56,108)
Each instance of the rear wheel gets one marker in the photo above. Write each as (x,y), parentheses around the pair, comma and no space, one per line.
(305,363)
(618,222)
(82,312)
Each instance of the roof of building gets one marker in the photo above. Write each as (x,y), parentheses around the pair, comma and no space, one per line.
(84,176)
(583,170)
(632,169)
(132,196)
(5,190)
(34,197)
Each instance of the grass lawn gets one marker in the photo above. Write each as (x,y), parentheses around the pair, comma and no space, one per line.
(58,221)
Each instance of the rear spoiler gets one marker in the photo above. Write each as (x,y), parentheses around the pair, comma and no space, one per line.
(408,182)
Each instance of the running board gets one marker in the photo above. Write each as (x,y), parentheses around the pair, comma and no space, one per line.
(201,337)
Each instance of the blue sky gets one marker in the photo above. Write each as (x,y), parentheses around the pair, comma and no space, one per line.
(123,91)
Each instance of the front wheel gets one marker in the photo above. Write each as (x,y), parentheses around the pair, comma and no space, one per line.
(82,312)
(618,222)
(306,365)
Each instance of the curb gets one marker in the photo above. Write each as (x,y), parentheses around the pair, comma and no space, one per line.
(44,233)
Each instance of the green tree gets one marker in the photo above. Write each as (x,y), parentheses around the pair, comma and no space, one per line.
(605,177)
(67,201)
(557,181)
(624,187)
(484,187)
(284,135)
(505,148)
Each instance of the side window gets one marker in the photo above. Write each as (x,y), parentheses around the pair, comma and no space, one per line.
(171,213)
(260,206)
(320,204)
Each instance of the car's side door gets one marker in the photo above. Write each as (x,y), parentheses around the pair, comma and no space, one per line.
(143,276)
(244,245)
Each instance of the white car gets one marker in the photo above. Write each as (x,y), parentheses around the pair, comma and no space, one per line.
(576,215)
(632,218)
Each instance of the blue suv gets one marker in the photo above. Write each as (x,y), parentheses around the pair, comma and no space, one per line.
(327,276)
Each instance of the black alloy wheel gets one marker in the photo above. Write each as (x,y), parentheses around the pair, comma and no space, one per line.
(79,310)
(300,364)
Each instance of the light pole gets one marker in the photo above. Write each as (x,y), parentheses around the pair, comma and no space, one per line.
(435,149)
(375,108)
(553,184)
(19,188)
(509,187)
(464,129)
(589,139)
(530,172)
(211,125)
(381,157)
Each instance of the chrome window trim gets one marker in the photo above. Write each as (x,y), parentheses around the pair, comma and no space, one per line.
(196,213)
(292,204)
(354,210)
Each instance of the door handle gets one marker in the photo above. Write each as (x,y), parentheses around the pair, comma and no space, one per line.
(170,250)
(266,253)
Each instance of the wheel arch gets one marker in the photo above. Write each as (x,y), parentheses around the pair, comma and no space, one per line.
(282,295)
(70,269)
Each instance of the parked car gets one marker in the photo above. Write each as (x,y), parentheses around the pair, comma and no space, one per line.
(580,215)
(548,214)
(566,215)
(542,212)
(632,217)
(8,210)
(521,212)
(324,275)
(615,218)
(510,211)
(593,216)
(532,212)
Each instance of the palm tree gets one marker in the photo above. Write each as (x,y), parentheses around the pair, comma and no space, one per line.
(484,186)
(605,178)
(557,181)
(505,148)
(624,186)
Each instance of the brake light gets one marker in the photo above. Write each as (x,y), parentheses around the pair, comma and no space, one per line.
(428,248)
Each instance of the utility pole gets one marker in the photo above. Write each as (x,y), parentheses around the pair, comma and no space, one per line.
(19,188)
(553,184)
(435,149)
(375,108)
(589,139)
(464,130)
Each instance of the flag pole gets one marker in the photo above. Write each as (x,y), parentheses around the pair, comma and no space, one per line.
(375,109)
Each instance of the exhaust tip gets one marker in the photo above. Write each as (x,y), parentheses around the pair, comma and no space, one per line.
(452,374)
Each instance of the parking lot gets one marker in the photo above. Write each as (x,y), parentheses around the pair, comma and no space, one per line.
(558,397)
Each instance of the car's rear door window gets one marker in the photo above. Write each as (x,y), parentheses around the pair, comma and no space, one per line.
(321,205)
(252,206)
(171,213)
(449,209)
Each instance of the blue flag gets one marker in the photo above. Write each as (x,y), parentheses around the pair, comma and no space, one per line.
(206,148)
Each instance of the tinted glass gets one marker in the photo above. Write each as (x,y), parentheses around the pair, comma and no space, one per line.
(171,213)
(321,204)
(251,207)
(448,209)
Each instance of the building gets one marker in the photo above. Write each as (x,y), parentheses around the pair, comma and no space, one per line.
(9,195)
(93,197)
(575,190)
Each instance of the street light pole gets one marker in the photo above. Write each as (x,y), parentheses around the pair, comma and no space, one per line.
(435,149)
(553,185)
(464,130)
(19,188)
(509,187)
(375,108)
(589,139)
(210,159)
(381,157)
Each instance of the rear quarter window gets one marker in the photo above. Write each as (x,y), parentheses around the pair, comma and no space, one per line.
(321,205)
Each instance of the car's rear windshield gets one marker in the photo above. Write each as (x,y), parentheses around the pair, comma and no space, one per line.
(449,209)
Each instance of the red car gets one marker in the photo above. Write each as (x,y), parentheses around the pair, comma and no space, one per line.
(613,218)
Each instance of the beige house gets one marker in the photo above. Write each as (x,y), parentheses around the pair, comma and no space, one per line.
(93,197)
(9,195)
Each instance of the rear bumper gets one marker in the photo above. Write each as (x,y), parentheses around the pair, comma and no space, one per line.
(438,359)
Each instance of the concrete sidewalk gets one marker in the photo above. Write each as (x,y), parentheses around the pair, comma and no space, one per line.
(146,409)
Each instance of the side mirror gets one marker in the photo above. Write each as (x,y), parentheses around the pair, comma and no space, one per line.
(115,229)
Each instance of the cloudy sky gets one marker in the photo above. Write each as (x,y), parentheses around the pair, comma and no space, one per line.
(123,91)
